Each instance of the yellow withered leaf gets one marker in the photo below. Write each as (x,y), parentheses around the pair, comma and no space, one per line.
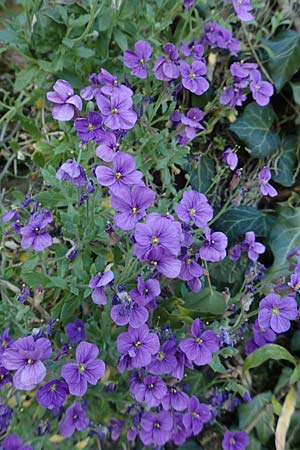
(283,423)
(82,444)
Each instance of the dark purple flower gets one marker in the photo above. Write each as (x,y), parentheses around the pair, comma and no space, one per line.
(89,92)
(194,49)
(156,428)
(5,342)
(241,73)
(294,284)
(146,291)
(175,399)
(131,205)
(230,158)
(253,248)
(23,294)
(198,414)
(264,177)
(122,174)
(5,377)
(53,394)
(216,36)
(194,207)
(188,3)
(139,344)
(117,112)
(214,247)
(115,427)
(75,419)
(232,96)
(13,442)
(75,331)
(166,67)
(192,78)
(97,283)
(25,356)
(137,60)
(190,269)
(108,146)
(179,432)
(236,440)
(201,347)
(89,129)
(6,414)
(182,362)
(164,361)
(151,391)
(34,234)
(65,100)
(235,253)
(262,336)
(112,86)
(73,172)
(13,214)
(261,90)
(87,369)
(127,311)
(276,312)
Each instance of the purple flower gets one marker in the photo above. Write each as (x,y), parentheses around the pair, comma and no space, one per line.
(122,174)
(232,96)
(194,207)
(5,378)
(73,172)
(241,72)
(194,49)
(116,111)
(53,394)
(131,205)
(108,147)
(75,331)
(166,67)
(214,247)
(265,187)
(175,399)
(236,440)
(179,432)
(276,312)
(230,158)
(164,262)
(151,391)
(216,36)
(65,100)
(87,369)
(294,284)
(188,3)
(235,253)
(115,427)
(6,414)
(127,311)
(5,342)
(253,248)
(261,90)
(139,344)
(190,269)
(156,428)
(146,291)
(137,60)
(164,361)
(75,419)
(201,347)
(13,442)
(25,356)
(197,416)
(242,9)
(182,362)
(89,129)
(34,234)
(192,78)
(262,336)
(89,92)
(192,121)
(112,85)
(97,283)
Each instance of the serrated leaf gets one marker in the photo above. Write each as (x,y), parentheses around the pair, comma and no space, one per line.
(286,57)
(238,220)
(254,128)
(284,169)
(283,423)
(262,354)
(285,235)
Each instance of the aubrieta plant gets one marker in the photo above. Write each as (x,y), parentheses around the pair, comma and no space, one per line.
(141,342)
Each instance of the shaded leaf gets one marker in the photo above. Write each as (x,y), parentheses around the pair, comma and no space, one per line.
(253,127)
(202,176)
(284,170)
(296,92)
(270,351)
(206,302)
(249,411)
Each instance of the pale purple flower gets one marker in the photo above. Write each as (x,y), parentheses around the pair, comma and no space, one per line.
(97,283)
(166,67)
(89,92)
(75,419)
(137,60)
(164,262)
(214,247)
(164,361)
(108,146)
(73,172)
(131,205)
(181,362)
(198,414)
(241,73)
(264,177)
(191,124)
(6,414)
(194,207)
(146,291)
(65,100)
(253,248)
(156,428)
(139,344)
(294,284)
(194,49)
(25,356)
(151,391)
(179,433)
(235,252)
(194,284)
(276,312)
(87,369)
(261,90)
(217,36)
(192,78)
(235,440)
(117,111)
(75,331)
(115,427)
(175,399)
(112,85)
(262,336)
(122,174)
(34,234)
(53,394)
(188,3)
(242,9)
(127,311)
(201,347)
(190,269)
(13,442)
(5,342)
(5,378)
(232,96)
(230,158)
(89,129)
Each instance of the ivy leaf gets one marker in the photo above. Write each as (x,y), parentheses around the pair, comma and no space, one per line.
(285,235)
(238,220)
(208,303)
(254,129)
(296,92)
(284,170)
(286,60)
(270,351)
(202,176)
(249,411)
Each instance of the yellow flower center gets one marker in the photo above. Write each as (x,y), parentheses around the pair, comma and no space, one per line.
(114,111)
(118,175)
(192,76)
(195,415)
(153,263)
(232,441)
(138,344)
(150,386)
(192,211)
(115,83)
(142,61)
(4,344)
(199,341)
(90,127)
(156,425)
(30,361)
(53,387)
(81,368)
(155,240)
(161,356)
(275,311)
(134,210)
(188,261)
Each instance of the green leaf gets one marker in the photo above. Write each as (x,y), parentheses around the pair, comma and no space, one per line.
(254,129)
(84,52)
(249,411)
(270,351)
(30,264)
(265,425)
(207,302)
(285,235)
(216,364)
(120,39)
(34,279)
(238,220)
(284,169)
(25,77)
(189,445)
(296,92)
(57,282)
(286,57)
(10,36)
(202,176)
(295,375)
